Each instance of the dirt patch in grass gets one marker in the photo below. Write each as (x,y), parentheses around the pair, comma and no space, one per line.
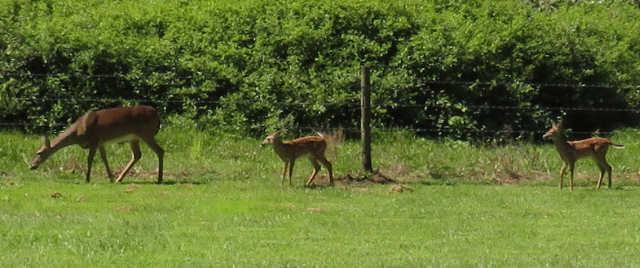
(125,209)
(376,178)
(131,188)
(7,182)
(316,210)
(360,182)
(355,179)
(182,176)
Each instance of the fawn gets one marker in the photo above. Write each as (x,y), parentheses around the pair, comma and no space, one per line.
(289,151)
(571,151)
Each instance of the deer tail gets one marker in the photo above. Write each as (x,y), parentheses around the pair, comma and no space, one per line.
(333,140)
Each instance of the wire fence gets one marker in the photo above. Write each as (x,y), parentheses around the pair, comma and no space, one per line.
(349,105)
(116,100)
(173,79)
(353,104)
(356,106)
(449,130)
(353,129)
(313,129)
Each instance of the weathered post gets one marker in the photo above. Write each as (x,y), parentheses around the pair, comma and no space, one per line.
(365,117)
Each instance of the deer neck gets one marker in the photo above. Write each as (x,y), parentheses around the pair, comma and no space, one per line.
(66,138)
(562,146)
(279,147)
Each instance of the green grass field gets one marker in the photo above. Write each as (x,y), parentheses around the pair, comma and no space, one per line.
(223,205)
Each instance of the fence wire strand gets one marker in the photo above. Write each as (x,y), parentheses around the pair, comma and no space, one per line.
(434,130)
(348,105)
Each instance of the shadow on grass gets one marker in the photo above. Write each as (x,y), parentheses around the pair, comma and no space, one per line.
(170,182)
(70,179)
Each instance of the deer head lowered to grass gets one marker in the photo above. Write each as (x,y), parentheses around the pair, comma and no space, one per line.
(313,146)
(571,151)
(95,128)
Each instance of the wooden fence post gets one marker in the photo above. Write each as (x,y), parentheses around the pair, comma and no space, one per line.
(365,117)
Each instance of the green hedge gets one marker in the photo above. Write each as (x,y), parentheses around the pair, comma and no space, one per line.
(252,65)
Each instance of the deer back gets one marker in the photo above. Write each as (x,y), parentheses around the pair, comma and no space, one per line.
(314,145)
(590,146)
(122,121)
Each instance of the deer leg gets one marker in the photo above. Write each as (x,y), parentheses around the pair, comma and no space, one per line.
(602,169)
(562,171)
(600,178)
(327,164)
(103,155)
(284,172)
(135,156)
(151,142)
(291,163)
(608,169)
(316,169)
(571,169)
(92,153)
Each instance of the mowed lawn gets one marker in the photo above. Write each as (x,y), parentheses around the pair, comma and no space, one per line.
(223,205)
(256,224)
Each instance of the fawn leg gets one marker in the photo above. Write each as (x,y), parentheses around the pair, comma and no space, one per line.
(571,168)
(291,163)
(151,142)
(562,171)
(284,172)
(316,168)
(92,153)
(327,164)
(600,178)
(136,154)
(103,155)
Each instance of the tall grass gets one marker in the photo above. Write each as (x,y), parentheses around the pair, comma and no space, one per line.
(201,156)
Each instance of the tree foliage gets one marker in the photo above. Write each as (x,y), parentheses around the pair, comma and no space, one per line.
(457,68)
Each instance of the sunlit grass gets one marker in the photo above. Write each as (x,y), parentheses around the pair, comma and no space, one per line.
(223,205)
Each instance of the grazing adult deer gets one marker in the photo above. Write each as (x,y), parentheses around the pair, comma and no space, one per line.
(95,128)
(571,151)
(313,146)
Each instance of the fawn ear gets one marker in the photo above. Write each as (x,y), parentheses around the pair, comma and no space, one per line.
(560,124)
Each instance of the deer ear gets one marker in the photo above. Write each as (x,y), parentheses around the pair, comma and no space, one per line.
(46,142)
(560,124)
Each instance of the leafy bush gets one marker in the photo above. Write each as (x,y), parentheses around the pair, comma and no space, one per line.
(456,68)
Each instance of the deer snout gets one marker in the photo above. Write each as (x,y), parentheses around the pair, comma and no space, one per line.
(35,162)
(266,142)
(33,165)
